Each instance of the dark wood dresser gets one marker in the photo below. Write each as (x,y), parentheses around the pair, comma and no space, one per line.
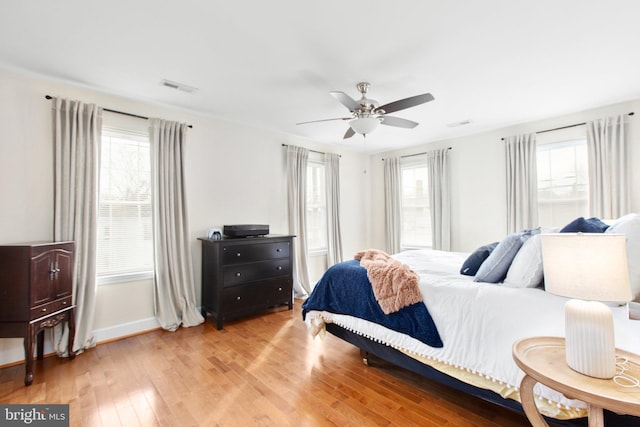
(242,276)
(35,294)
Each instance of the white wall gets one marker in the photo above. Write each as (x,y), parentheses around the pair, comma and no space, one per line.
(478,175)
(234,174)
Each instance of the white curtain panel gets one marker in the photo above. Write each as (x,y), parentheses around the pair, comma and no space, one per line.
(174,298)
(77,138)
(522,185)
(392,203)
(608,169)
(334,236)
(440,199)
(297,158)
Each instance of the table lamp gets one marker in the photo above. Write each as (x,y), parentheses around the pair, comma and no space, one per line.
(592,268)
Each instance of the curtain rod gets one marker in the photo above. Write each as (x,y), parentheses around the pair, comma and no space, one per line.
(313,151)
(567,127)
(118,112)
(417,154)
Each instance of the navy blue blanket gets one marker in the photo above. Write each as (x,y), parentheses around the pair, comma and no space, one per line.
(345,289)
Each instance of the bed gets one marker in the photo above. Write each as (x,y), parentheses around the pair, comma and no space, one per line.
(476,322)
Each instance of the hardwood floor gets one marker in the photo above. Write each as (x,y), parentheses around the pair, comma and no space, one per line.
(258,371)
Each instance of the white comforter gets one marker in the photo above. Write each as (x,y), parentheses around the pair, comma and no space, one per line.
(479,322)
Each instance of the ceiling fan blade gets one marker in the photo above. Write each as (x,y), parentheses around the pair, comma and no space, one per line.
(346,100)
(325,120)
(398,122)
(350,132)
(406,103)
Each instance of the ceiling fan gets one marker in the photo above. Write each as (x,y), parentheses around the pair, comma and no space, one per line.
(367,114)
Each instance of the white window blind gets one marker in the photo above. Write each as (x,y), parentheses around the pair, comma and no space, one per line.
(316,207)
(563,182)
(125,238)
(414,206)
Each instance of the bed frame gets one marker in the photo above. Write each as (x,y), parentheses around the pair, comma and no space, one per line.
(398,358)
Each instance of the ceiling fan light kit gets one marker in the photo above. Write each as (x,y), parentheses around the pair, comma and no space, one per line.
(367,114)
(364,125)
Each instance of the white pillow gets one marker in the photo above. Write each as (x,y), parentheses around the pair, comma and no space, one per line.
(526,269)
(629,225)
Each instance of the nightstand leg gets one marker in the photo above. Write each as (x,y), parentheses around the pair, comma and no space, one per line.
(596,416)
(71,324)
(40,344)
(28,356)
(529,403)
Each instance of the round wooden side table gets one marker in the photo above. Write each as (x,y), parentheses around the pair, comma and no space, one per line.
(543,360)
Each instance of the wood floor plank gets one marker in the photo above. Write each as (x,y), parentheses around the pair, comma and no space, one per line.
(259,371)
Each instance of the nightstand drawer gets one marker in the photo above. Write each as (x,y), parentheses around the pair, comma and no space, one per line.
(245,273)
(52,307)
(250,253)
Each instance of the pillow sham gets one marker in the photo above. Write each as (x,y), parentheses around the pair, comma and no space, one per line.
(494,268)
(526,269)
(472,264)
(629,225)
(582,225)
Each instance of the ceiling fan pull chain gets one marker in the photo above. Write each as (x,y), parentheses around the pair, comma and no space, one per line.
(364,138)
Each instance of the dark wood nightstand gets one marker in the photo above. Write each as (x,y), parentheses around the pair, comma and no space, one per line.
(35,294)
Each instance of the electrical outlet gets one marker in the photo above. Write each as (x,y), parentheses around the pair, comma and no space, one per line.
(634,310)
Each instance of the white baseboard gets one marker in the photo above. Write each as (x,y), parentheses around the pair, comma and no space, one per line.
(125,329)
(12,350)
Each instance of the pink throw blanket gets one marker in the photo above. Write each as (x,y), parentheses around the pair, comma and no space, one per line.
(394,284)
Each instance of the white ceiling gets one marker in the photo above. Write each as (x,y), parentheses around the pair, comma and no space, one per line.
(271,64)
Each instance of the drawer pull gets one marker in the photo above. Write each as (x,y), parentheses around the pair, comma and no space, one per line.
(237,298)
(238,274)
(64,303)
(279,289)
(279,267)
(238,254)
(278,250)
(44,310)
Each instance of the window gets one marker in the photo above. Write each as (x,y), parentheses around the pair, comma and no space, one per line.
(316,207)
(414,206)
(125,235)
(563,181)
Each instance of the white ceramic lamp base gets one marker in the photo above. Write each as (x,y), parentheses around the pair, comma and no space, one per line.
(590,341)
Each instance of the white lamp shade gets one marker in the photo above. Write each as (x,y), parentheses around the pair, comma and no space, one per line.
(364,125)
(588,266)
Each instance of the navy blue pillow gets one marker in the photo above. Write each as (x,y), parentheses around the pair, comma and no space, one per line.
(582,225)
(472,264)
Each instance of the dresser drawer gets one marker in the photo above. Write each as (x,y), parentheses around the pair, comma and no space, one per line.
(278,292)
(240,297)
(235,254)
(263,294)
(245,273)
(52,307)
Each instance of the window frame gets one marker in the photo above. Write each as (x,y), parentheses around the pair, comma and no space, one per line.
(557,144)
(317,161)
(414,162)
(142,274)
